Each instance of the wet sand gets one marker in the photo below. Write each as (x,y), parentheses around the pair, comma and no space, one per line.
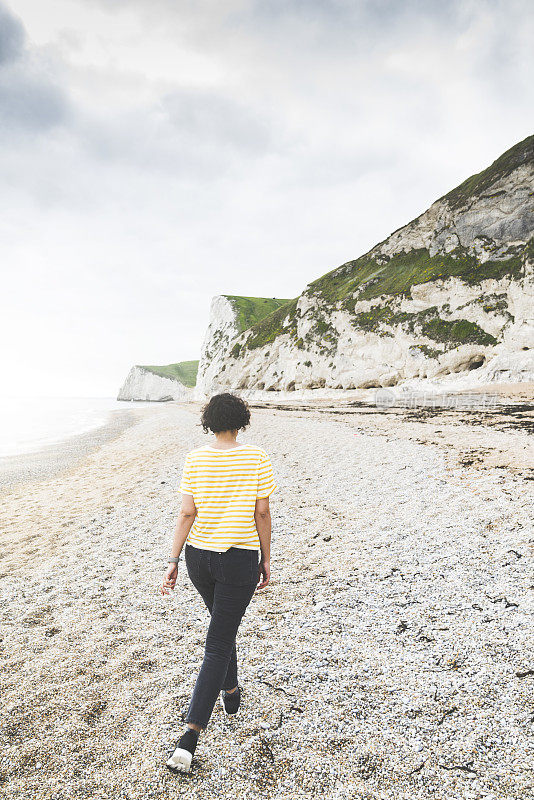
(57,457)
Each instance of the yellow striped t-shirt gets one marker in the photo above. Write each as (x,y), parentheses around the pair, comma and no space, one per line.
(225,485)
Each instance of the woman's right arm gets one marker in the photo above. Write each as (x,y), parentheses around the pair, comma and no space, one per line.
(262,517)
(184,524)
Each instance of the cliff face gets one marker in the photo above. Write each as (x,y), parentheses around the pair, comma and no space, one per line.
(151,383)
(450,292)
(229,316)
(222,329)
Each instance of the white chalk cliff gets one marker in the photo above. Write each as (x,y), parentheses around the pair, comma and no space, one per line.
(143,384)
(451,293)
(222,329)
(229,316)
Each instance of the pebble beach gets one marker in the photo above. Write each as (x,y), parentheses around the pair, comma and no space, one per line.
(390,657)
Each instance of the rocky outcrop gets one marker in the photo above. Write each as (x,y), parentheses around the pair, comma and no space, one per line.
(229,316)
(451,293)
(222,329)
(515,367)
(144,384)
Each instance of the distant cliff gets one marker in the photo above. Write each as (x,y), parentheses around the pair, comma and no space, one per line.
(170,382)
(451,292)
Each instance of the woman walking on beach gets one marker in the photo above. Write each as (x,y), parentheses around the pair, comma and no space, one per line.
(226,521)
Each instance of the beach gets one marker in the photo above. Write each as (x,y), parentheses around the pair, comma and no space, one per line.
(391,656)
(45,462)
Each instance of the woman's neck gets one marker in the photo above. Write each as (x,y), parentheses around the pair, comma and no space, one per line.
(226,440)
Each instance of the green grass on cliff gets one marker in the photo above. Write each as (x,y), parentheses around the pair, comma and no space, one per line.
(424,323)
(183,371)
(268,329)
(250,310)
(368,277)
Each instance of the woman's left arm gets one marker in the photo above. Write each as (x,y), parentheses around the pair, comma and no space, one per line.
(185,521)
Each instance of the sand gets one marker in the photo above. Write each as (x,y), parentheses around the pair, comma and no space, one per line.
(57,457)
(390,657)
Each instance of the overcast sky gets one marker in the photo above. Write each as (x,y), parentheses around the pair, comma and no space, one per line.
(154,153)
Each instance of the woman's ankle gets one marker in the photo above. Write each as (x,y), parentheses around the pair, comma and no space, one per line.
(192,727)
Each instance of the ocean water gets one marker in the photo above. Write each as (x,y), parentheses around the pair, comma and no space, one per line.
(29,423)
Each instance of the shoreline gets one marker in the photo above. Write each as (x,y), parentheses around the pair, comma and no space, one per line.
(52,459)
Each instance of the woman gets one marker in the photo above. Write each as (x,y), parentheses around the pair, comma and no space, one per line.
(226,521)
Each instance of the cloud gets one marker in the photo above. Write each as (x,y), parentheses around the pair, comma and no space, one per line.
(208,117)
(189,134)
(12,36)
(30,100)
(29,103)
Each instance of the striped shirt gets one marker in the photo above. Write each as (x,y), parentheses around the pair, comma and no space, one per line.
(225,485)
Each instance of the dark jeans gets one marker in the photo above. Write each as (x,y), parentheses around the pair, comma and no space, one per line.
(226,582)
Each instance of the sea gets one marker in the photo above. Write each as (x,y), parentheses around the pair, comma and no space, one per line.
(28,424)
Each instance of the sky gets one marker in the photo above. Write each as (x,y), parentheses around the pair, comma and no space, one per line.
(155,153)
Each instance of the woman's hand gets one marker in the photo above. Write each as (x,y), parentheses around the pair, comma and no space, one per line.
(265,572)
(169,579)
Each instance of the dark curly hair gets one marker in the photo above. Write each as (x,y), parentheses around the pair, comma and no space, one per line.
(225,412)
